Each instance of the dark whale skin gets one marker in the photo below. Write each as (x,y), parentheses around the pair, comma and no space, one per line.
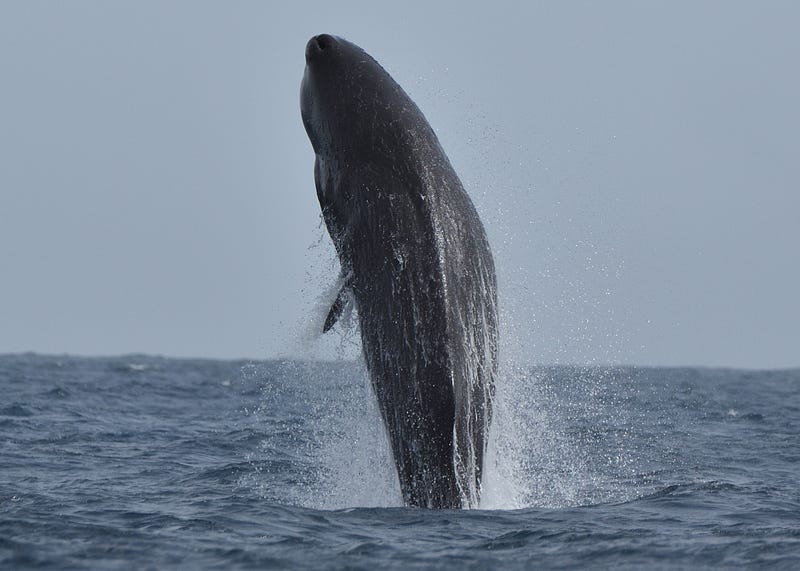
(416,258)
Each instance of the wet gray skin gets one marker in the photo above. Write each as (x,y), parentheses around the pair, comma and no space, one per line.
(415,262)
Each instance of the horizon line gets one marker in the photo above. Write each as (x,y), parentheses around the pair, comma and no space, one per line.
(299,358)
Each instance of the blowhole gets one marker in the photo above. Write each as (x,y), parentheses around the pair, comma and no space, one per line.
(324,41)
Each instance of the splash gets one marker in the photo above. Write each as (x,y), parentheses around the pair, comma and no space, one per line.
(539,454)
(321,441)
(355,466)
(556,442)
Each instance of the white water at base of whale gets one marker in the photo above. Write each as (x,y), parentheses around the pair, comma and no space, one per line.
(540,451)
(534,457)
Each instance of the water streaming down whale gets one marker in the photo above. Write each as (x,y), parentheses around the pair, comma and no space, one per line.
(416,263)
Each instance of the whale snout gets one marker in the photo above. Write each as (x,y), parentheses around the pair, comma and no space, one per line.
(318,45)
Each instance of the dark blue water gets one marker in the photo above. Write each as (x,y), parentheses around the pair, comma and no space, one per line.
(146,462)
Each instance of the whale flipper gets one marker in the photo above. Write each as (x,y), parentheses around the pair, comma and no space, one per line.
(338,306)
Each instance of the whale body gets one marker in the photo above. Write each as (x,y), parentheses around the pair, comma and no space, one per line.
(416,264)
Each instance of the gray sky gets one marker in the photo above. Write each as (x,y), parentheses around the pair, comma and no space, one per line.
(636,165)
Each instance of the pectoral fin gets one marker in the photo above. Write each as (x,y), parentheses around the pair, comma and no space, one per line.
(338,306)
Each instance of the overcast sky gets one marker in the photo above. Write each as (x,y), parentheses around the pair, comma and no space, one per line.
(636,165)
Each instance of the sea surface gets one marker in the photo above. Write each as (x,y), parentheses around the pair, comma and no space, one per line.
(141,462)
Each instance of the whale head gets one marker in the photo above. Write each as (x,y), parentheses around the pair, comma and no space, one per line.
(350,105)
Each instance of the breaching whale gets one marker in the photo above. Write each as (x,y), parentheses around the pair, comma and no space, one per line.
(416,263)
